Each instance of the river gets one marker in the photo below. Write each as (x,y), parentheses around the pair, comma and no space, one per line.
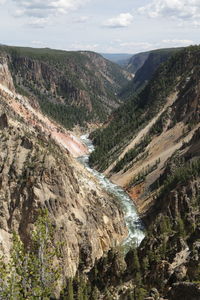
(133,223)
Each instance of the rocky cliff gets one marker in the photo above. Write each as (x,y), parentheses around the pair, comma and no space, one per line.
(74,88)
(144,65)
(155,155)
(38,170)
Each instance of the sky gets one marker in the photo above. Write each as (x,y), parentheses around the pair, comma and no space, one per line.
(105,26)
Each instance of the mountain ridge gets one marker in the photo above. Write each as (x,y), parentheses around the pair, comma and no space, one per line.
(81,85)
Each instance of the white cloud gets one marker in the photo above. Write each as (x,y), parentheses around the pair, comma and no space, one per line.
(185,10)
(135,45)
(39,11)
(37,22)
(43,8)
(81,19)
(80,46)
(117,46)
(178,42)
(38,44)
(122,20)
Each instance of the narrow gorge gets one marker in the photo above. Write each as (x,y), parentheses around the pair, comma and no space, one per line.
(116,210)
(133,222)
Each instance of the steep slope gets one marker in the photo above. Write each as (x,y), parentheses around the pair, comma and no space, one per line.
(145,64)
(154,124)
(38,171)
(134,63)
(72,87)
(159,164)
(166,264)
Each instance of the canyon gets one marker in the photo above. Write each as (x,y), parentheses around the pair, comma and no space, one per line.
(76,134)
(39,170)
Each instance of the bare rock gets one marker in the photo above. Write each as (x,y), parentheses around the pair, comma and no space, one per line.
(26,143)
(3,121)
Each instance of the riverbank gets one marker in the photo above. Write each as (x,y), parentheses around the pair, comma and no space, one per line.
(133,222)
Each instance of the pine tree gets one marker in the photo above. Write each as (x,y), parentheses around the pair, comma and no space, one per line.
(180,227)
(45,273)
(136,264)
(31,273)
(70,290)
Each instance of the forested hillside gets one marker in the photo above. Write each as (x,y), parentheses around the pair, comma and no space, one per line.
(64,232)
(71,87)
(130,118)
(134,63)
(54,215)
(154,141)
(144,65)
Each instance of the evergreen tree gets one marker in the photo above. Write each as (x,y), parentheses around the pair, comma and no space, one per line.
(70,290)
(31,273)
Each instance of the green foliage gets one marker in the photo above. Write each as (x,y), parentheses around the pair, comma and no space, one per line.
(68,85)
(139,293)
(132,154)
(79,288)
(140,109)
(145,73)
(68,116)
(180,227)
(136,264)
(165,225)
(31,273)
(180,176)
(140,177)
(70,290)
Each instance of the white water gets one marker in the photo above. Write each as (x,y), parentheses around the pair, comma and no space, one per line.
(135,228)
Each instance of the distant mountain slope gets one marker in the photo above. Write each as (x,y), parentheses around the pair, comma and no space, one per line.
(134,63)
(118,58)
(112,150)
(144,65)
(72,87)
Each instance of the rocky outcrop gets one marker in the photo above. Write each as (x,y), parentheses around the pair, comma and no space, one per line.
(5,76)
(160,167)
(37,171)
(3,121)
(35,176)
(72,87)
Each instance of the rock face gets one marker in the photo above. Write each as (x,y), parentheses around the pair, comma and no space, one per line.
(37,171)
(5,76)
(142,136)
(144,65)
(72,87)
(3,121)
(158,161)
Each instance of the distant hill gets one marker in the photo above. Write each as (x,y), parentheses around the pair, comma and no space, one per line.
(134,63)
(118,58)
(144,66)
